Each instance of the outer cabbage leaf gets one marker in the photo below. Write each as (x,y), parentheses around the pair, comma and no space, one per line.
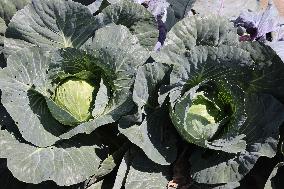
(50,24)
(147,80)
(230,185)
(106,167)
(181,7)
(267,69)
(167,13)
(178,10)
(148,134)
(97,185)
(188,33)
(275,178)
(134,16)
(6,178)
(93,5)
(148,127)
(111,161)
(121,172)
(9,8)
(8,181)
(141,172)
(13,45)
(159,9)
(194,31)
(64,164)
(25,71)
(3,28)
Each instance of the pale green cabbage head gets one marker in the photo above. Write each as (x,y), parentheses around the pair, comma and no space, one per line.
(75,97)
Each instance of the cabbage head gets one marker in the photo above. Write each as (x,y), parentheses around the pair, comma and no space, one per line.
(75,97)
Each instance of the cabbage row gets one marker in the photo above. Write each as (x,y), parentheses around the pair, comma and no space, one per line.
(141,94)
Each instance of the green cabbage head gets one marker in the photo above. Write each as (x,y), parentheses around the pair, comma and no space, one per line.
(75,97)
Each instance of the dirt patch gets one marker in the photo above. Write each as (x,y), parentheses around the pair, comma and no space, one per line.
(280,6)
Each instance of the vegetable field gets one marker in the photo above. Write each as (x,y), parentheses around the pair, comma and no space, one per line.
(142,94)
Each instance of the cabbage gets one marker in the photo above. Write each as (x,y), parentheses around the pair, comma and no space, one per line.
(75,97)
(86,101)
(67,67)
(223,96)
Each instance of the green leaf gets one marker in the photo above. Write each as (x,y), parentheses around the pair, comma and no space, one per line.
(274,182)
(148,135)
(6,178)
(64,165)
(267,69)
(143,173)
(97,185)
(95,6)
(13,45)
(228,167)
(52,24)
(101,101)
(24,85)
(3,28)
(116,48)
(114,1)
(9,7)
(147,79)
(230,185)
(177,10)
(111,161)
(181,7)
(196,31)
(122,172)
(139,20)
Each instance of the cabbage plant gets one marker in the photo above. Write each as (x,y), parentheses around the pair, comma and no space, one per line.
(87,102)
(69,73)
(223,96)
(9,8)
